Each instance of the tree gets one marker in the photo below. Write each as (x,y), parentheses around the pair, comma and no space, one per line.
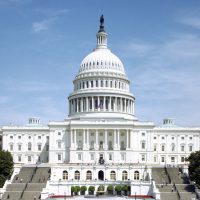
(194,167)
(83,189)
(118,189)
(77,189)
(110,189)
(6,166)
(91,189)
(125,188)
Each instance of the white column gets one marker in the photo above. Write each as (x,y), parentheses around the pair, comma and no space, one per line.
(125,105)
(115,142)
(104,103)
(106,139)
(81,99)
(75,143)
(121,106)
(92,103)
(86,106)
(118,138)
(71,136)
(87,135)
(84,139)
(97,138)
(127,139)
(109,108)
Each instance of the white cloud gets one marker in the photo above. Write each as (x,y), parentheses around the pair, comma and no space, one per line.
(41,25)
(193,21)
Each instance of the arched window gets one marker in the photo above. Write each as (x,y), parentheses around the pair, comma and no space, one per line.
(112,175)
(136,175)
(65,175)
(88,175)
(172,147)
(124,175)
(77,175)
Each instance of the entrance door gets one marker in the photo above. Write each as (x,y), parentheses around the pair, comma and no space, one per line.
(101,175)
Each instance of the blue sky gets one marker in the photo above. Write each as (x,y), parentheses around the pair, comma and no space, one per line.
(42,43)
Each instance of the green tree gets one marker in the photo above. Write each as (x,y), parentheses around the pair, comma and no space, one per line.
(110,189)
(91,189)
(118,189)
(6,166)
(78,189)
(194,167)
(124,188)
(83,189)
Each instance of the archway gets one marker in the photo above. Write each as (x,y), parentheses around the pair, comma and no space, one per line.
(101,175)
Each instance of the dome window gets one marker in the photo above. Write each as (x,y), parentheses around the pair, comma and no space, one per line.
(97,83)
(93,63)
(101,63)
(97,63)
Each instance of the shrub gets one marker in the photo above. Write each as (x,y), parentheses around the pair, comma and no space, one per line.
(83,189)
(110,189)
(125,189)
(118,189)
(91,189)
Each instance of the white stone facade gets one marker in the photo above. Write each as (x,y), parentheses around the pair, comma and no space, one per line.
(101,141)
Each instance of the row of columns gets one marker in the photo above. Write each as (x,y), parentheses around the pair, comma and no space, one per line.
(101,83)
(101,103)
(85,136)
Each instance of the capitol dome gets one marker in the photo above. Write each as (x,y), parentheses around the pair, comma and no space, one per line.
(101,87)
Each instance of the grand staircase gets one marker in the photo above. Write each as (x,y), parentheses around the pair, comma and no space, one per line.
(28,184)
(172,184)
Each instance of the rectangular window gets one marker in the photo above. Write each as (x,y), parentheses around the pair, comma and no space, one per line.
(182,159)
(190,148)
(92,156)
(19,158)
(123,156)
(155,159)
(143,145)
(143,157)
(11,147)
(59,145)
(110,156)
(19,147)
(59,157)
(29,158)
(163,148)
(39,147)
(79,156)
(155,147)
(182,148)
(162,159)
(19,136)
(39,137)
(11,136)
(173,159)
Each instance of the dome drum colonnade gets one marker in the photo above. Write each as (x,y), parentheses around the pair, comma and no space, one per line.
(101,85)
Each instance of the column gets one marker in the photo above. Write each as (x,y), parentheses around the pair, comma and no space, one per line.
(106,139)
(127,139)
(81,109)
(118,138)
(115,107)
(86,106)
(75,143)
(109,108)
(84,139)
(129,144)
(125,105)
(76,104)
(104,103)
(115,142)
(71,138)
(87,135)
(121,106)
(92,103)
(97,138)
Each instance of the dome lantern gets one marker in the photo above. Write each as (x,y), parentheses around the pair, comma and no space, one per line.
(101,35)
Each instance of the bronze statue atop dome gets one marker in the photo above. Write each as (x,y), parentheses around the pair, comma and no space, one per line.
(101,24)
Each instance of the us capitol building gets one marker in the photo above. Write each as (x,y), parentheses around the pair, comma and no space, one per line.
(101,142)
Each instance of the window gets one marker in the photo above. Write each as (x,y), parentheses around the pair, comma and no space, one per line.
(182,138)
(190,138)
(182,159)
(88,175)
(155,138)
(143,134)
(11,136)
(47,137)
(110,156)
(97,83)
(136,175)
(143,145)
(163,148)
(59,144)
(162,159)
(172,159)
(29,137)
(172,138)
(163,137)
(19,158)
(155,147)
(172,147)
(59,157)
(39,147)
(11,147)
(19,147)
(19,136)
(79,156)
(143,157)
(182,148)
(29,158)
(65,175)
(92,156)
(39,137)
(77,175)
(124,175)
(29,146)
(122,156)
(112,175)
(190,148)
(155,159)
(59,133)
